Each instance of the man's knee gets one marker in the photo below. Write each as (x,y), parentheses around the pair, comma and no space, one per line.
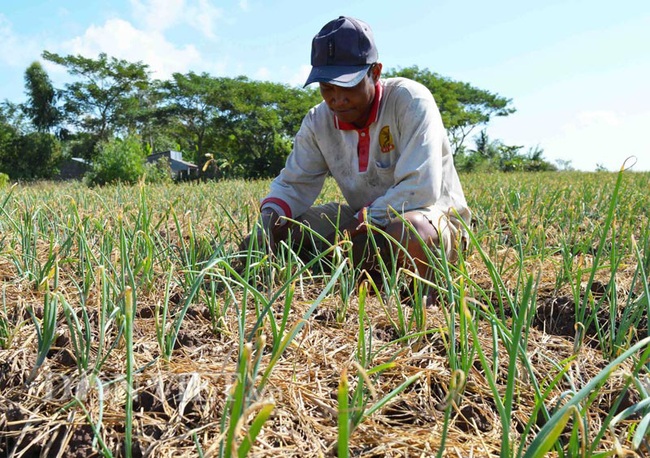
(413,227)
(416,236)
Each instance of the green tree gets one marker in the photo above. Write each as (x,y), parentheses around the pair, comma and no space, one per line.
(8,137)
(491,154)
(30,156)
(25,155)
(106,98)
(268,117)
(485,147)
(564,165)
(118,160)
(41,98)
(7,130)
(463,107)
(13,117)
(246,126)
(257,139)
(151,123)
(195,110)
(535,161)
(480,158)
(293,104)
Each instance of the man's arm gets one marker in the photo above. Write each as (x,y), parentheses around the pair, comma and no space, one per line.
(297,186)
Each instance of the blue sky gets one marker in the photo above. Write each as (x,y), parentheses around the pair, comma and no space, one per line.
(577,71)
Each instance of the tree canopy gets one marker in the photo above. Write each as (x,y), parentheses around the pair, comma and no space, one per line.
(245,128)
(105,100)
(41,98)
(25,154)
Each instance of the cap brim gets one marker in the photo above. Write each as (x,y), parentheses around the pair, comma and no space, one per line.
(344,76)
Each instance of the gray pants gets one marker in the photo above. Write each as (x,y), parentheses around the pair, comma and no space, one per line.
(326,219)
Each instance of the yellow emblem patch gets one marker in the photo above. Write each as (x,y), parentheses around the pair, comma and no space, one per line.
(386,140)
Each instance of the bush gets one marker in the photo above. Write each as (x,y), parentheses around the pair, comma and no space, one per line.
(31,156)
(158,172)
(82,144)
(4,180)
(118,160)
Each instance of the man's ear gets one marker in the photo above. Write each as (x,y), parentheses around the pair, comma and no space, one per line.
(376,71)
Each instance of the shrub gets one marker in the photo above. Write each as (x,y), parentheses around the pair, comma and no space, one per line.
(118,160)
(31,156)
(158,172)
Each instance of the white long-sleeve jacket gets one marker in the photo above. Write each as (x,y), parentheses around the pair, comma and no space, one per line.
(401,160)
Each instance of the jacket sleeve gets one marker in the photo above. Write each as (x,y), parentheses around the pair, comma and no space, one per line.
(299,183)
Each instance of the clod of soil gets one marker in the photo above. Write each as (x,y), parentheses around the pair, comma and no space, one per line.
(471,418)
(556,316)
(80,445)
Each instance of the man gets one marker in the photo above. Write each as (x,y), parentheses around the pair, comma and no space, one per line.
(384,144)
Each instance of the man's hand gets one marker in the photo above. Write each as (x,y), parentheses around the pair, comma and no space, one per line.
(263,236)
(355,229)
(269,220)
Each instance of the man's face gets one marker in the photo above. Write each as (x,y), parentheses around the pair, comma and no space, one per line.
(352,104)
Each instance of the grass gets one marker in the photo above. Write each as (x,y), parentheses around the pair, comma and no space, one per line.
(142,328)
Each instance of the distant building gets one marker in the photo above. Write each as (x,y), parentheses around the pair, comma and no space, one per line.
(181,170)
(73,168)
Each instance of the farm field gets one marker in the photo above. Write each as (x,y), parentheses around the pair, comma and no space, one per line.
(131,325)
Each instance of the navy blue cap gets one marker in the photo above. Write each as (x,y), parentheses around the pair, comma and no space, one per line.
(342,52)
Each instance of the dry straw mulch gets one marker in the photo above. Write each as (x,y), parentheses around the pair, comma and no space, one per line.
(181,402)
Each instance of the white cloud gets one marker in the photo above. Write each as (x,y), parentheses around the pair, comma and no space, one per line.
(162,15)
(15,50)
(158,15)
(586,138)
(263,74)
(8,40)
(602,138)
(244,6)
(598,117)
(299,78)
(203,17)
(118,38)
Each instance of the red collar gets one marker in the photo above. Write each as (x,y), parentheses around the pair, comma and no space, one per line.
(374,111)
